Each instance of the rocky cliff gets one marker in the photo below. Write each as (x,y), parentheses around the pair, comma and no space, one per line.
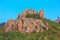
(25,24)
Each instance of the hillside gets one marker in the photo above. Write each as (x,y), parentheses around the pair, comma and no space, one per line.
(53,32)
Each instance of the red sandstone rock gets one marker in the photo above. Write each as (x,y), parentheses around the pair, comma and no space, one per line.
(47,26)
(20,26)
(41,13)
(24,14)
(24,24)
(19,16)
(10,25)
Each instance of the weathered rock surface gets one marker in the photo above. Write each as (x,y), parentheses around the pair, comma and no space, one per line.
(41,13)
(10,25)
(27,25)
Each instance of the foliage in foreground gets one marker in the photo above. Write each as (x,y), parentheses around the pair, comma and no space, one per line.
(33,36)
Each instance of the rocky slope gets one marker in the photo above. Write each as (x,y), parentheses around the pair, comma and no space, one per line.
(25,24)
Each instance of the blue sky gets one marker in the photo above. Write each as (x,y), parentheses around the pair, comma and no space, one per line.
(9,9)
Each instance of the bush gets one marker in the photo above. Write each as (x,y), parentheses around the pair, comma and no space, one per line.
(35,16)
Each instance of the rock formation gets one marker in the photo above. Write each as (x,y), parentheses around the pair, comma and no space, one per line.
(47,26)
(10,25)
(58,20)
(27,25)
(41,13)
(28,11)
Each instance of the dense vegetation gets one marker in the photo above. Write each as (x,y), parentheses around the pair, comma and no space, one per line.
(52,34)
(35,16)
